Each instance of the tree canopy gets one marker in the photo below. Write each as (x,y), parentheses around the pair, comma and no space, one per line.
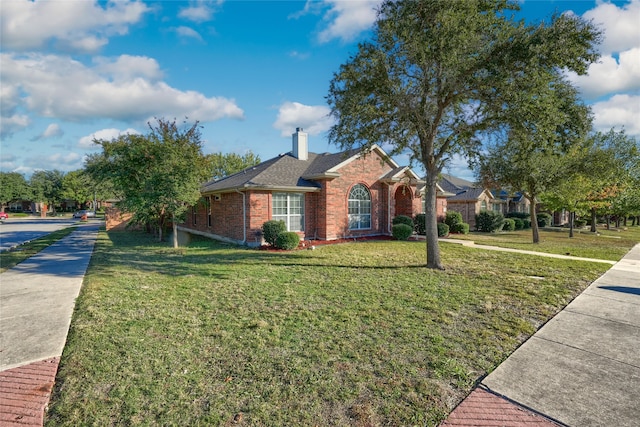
(158,175)
(13,187)
(426,83)
(222,165)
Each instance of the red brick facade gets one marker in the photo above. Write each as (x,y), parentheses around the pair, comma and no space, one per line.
(238,216)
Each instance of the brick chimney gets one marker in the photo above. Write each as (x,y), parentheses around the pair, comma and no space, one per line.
(300,144)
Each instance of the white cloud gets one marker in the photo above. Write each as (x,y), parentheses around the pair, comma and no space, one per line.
(60,161)
(76,25)
(619,111)
(200,11)
(611,76)
(347,19)
(314,119)
(126,89)
(52,131)
(186,32)
(12,124)
(621,27)
(86,142)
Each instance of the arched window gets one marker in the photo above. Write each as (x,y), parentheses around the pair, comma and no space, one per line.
(359,208)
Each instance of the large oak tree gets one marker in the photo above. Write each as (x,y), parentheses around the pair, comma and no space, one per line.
(426,83)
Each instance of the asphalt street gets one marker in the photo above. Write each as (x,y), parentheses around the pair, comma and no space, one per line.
(15,231)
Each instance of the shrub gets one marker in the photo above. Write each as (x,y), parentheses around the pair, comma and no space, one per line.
(460,228)
(272,229)
(420,224)
(579,223)
(403,219)
(544,219)
(526,224)
(401,231)
(520,215)
(518,223)
(489,221)
(288,240)
(452,218)
(443,229)
(509,224)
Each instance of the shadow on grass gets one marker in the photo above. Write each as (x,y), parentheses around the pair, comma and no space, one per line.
(140,251)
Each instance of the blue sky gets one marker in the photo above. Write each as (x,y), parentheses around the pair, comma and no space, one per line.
(249,71)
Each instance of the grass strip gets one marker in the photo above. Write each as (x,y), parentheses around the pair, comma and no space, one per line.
(605,244)
(353,334)
(13,257)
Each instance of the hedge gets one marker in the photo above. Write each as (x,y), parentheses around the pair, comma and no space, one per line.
(489,221)
(443,229)
(460,228)
(403,219)
(401,231)
(288,240)
(420,222)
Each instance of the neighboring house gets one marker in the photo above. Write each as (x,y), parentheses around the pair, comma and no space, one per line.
(468,198)
(512,202)
(319,196)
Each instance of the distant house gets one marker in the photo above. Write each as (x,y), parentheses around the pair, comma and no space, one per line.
(319,196)
(470,199)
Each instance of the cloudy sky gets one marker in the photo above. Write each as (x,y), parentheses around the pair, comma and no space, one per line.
(249,71)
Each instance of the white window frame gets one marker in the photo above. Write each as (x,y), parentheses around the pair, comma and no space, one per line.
(359,208)
(289,207)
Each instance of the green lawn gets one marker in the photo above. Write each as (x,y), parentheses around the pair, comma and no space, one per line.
(605,244)
(353,334)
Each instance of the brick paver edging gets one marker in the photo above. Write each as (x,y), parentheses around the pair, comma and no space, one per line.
(25,393)
(485,409)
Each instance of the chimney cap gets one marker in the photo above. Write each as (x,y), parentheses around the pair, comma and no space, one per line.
(299,129)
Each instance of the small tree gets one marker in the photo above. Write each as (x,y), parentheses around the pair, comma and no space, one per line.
(157,175)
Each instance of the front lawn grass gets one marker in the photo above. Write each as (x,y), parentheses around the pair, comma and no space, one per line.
(357,334)
(15,256)
(605,244)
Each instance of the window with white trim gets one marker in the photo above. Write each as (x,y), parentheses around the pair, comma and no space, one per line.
(359,208)
(289,207)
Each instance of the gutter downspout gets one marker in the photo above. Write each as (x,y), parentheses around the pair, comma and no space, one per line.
(244,216)
(388,208)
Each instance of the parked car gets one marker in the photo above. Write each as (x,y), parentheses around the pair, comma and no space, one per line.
(80,214)
(4,215)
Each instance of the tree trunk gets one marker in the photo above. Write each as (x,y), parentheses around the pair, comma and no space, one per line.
(594,220)
(608,222)
(431,222)
(572,216)
(175,231)
(624,221)
(535,234)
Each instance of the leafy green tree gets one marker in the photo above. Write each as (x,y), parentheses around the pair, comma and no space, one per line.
(157,175)
(77,186)
(13,187)
(427,82)
(46,186)
(222,165)
(613,167)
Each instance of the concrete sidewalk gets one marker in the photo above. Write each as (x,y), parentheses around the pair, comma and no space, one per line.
(582,368)
(37,298)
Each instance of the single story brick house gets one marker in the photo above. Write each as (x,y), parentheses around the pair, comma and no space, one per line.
(468,198)
(319,196)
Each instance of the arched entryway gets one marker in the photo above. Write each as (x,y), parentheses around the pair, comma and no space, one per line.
(404,199)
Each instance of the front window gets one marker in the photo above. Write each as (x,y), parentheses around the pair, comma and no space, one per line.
(483,205)
(359,208)
(289,207)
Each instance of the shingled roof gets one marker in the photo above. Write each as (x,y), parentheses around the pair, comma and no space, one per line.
(284,172)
